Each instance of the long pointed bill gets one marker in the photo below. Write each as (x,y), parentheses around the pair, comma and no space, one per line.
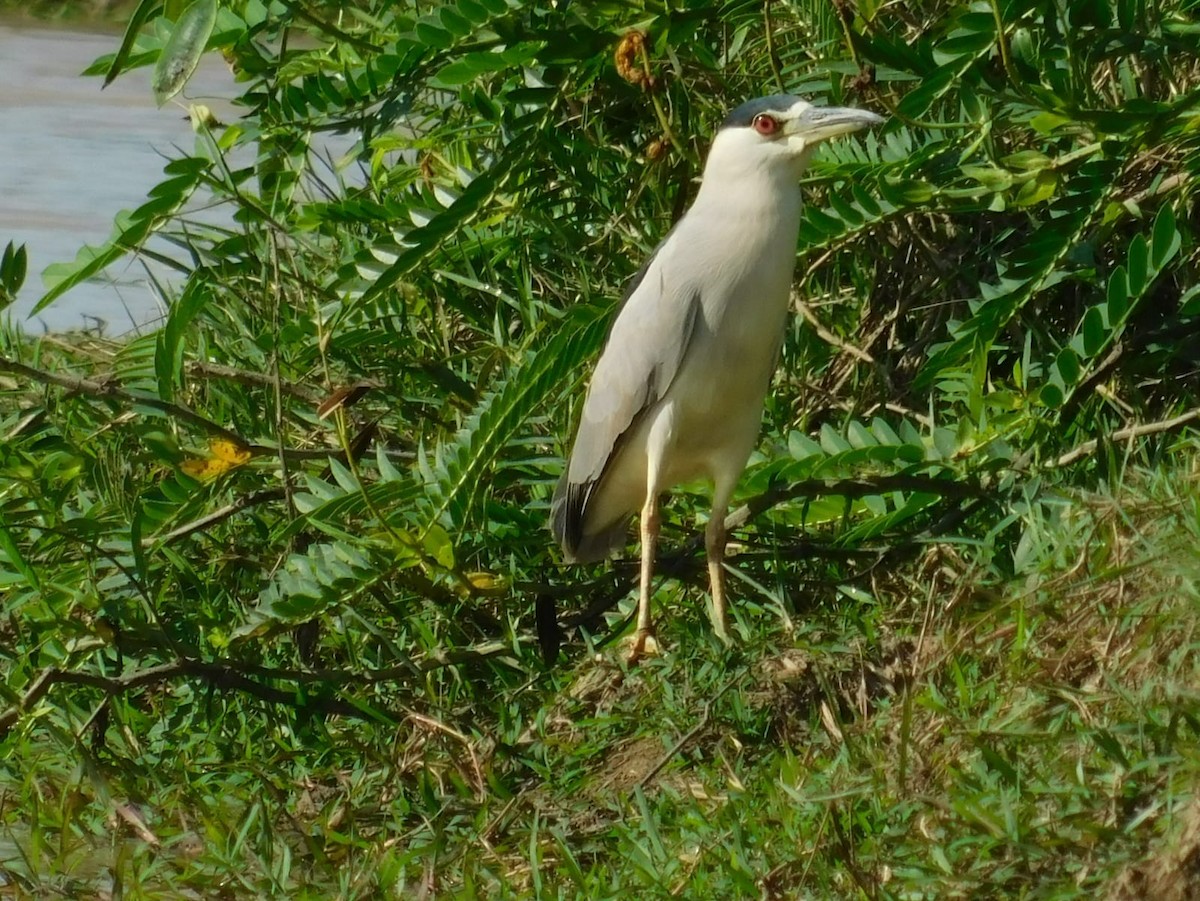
(819,123)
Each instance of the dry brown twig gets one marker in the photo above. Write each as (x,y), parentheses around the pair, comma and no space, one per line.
(1127,434)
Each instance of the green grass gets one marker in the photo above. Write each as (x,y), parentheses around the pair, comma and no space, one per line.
(976,724)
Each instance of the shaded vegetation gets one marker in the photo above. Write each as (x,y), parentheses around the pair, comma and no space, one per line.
(281,613)
(68,11)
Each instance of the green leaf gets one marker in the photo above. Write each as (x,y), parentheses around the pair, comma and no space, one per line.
(1027,160)
(427,238)
(13,265)
(1095,333)
(1048,123)
(801,447)
(10,549)
(945,442)
(1139,259)
(975,35)
(1189,303)
(1118,296)
(859,435)
(1165,240)
(470,66)
(145,11)
(1066,364)
(831,441)
(433,36)
(991,177)
(454,22)
(1038,189)
(884,433)
(168,355)
(917,102)
(439,546)
(462,462)
(473,11)
(183,49)
(1051,395)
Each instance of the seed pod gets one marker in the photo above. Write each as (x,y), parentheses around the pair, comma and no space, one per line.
(628,58)
(657,149)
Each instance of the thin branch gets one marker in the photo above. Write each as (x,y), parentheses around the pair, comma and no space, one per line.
(1170,183)
(849,488)
(219,675)
(110,390)
(827,336)
(204,369)
(1093,379)
(228,674)
(480,783)
(436,659)
(1127,434)
(219,515)
(772,51)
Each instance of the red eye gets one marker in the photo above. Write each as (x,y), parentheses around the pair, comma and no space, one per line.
(766,125)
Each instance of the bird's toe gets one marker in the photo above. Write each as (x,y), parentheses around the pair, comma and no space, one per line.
(641,644)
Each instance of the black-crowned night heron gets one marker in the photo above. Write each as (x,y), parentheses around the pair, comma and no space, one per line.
(678,392)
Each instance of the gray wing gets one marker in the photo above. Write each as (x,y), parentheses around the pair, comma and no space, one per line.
(646,347)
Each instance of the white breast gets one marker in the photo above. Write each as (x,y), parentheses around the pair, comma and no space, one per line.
(741,262)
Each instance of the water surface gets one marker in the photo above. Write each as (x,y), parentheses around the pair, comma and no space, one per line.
(73,155)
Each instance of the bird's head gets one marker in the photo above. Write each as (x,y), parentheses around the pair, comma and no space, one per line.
(781,131)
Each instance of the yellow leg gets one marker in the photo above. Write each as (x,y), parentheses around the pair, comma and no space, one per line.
(649,526)
(714,545)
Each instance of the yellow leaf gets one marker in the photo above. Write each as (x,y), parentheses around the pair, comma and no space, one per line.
(487,583)
(229,452)
(226,455)
(203,469)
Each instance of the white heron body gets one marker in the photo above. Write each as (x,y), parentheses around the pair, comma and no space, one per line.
(678,391)
(707,422)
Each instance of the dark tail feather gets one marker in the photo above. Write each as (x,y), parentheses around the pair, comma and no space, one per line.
(568,514)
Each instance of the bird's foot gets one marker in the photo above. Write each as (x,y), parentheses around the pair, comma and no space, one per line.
(642,644)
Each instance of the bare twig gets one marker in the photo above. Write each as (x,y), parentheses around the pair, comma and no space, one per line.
(1092,381)
(219,515)
(109,389)
(1170,183)
(232,674)
(827,336)
(204,369)
(1127,434)
(422,719)
(218,674)
(436,659)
